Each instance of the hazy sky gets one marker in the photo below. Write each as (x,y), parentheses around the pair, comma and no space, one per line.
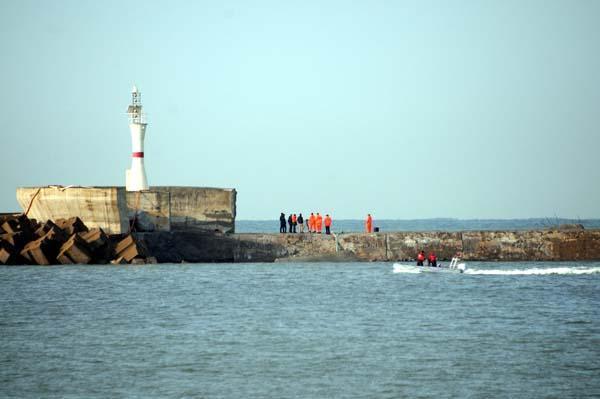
(467,109)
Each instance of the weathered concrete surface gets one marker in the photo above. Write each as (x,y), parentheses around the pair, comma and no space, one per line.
(546,245)
(405,246)
(201,208)
(103,207)
(532,245)
(150,209)
(215,247)
(158,209)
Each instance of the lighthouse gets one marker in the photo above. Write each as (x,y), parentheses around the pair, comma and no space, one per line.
(135,177)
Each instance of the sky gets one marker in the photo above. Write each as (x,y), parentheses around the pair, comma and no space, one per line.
(403,109)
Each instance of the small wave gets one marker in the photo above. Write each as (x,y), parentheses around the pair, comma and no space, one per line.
(535,271)
(398,268)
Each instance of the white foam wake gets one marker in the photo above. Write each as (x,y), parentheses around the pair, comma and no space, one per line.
(535,271)
(398,268)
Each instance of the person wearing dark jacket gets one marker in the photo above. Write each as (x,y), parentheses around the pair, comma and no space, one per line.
(290,223)
(301,223)
(282,223)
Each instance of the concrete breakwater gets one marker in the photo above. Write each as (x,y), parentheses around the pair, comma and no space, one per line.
(115,210)
(542,245)
(25,241)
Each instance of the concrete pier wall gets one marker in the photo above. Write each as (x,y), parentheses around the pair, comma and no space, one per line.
(103,207)
(542,245)
(201,208)
(151,209)
(160,209)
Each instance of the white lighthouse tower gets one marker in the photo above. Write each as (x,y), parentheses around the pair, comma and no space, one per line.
(135,178)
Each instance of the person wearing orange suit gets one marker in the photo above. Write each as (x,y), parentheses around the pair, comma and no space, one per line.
(432,259)
(311,223)
(294,223)
(327,224)
(369,224)
(420,258)
(319,223)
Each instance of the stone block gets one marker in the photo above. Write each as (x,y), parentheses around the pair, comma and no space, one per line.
(72,225)
(74,251)
(130,248)
(16,224)
(99,244)
(119,261)
(45,228)
(36,252)
(124,243)
(17,240)
(56,236)
(8,255)
(95,238)
(129,252)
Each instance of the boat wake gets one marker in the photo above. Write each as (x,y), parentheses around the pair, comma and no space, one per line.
(398,268)
(534,271)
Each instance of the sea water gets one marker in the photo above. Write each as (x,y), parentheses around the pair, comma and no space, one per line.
(303,330)
(440,224)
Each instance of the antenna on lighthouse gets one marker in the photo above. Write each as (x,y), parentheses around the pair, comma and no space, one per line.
(135,177)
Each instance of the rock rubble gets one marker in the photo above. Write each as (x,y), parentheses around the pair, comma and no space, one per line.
(25,241)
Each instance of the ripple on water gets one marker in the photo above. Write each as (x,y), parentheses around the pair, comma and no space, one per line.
(303,330)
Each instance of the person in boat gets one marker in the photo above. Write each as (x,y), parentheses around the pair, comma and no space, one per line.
(432,259)
(282,228)
(420,258)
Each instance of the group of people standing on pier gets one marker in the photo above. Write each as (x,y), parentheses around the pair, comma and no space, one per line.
(314,224)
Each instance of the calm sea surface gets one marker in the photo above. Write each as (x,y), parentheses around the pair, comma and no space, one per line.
(353,225)
(344,330)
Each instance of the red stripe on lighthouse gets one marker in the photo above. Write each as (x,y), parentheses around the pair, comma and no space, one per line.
(138,155)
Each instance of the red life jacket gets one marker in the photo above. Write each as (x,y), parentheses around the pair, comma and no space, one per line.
(294,218)
(420,257)
(432,257)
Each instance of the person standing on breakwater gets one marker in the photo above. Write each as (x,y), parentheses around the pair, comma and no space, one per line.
(282,223)
(289,223)
(311,223)
(327,224)
(301,222)
(420,258)
(319,222)
(432,259)
(369,224)
(294,222)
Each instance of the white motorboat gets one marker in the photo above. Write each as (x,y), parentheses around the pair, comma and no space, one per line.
(453,267)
